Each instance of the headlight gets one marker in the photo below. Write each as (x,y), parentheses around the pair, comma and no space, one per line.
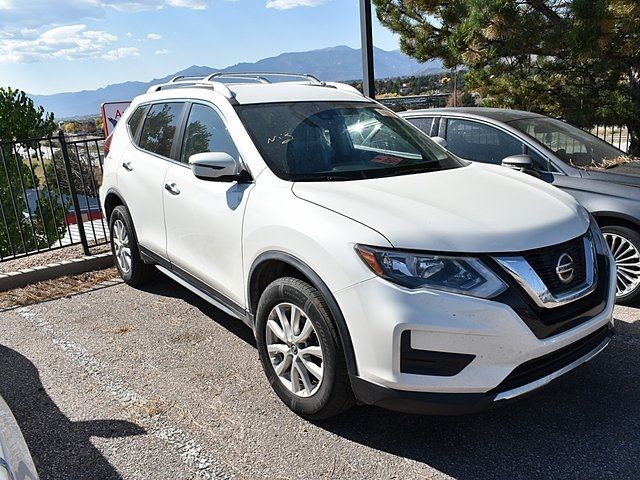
(464,275)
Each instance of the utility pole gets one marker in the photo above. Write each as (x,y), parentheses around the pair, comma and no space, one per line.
(455,86)
(366,34)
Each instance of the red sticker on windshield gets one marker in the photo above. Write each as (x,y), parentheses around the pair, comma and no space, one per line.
(386,160)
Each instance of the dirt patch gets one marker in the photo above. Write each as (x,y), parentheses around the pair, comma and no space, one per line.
(56,288)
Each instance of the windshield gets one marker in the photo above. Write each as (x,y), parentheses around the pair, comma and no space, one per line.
(572,145)
(316,141)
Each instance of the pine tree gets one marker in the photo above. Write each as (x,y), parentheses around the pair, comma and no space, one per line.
(574,59)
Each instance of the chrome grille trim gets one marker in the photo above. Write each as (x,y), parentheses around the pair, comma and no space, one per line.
(528,279)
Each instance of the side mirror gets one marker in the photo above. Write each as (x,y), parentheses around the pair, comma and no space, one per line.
(518,162)
(440,141)
(214,165)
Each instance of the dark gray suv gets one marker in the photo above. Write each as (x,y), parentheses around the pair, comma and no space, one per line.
(597,174)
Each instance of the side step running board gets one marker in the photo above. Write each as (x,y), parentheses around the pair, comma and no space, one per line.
(205,296)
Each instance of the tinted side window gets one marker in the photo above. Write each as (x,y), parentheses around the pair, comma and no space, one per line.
(423,123)
(206,132)
(159,128)
(134,121)
(479,142)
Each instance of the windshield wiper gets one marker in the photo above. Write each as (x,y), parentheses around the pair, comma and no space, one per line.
(333,177)
(420,168)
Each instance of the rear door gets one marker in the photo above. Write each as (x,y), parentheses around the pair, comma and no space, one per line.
(204,217)
(143,168)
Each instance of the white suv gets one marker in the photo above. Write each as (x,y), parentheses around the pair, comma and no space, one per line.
(372,265)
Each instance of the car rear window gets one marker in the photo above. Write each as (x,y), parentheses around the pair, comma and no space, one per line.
(159,129)
(135,120)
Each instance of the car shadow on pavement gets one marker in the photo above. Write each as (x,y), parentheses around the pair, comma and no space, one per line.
(163,285)
(586,425)
(61,448)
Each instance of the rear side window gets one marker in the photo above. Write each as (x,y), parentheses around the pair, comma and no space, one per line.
(159,129)
(423,123)
(206,132)
(135,120)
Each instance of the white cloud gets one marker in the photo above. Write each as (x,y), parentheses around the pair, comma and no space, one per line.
(287,4)
(142,5)
(122,52)
(129,35)
(154,36)
(162,51)
(17,14)
(72,42)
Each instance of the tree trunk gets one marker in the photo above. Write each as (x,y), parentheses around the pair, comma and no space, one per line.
(634,140)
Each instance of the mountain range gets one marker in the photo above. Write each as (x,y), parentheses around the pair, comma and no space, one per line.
(332,64)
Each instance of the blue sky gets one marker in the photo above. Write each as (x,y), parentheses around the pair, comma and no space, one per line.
(50,46)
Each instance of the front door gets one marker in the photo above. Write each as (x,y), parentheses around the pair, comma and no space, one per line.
(204,217)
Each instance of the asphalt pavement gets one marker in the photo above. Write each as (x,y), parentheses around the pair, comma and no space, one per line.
(154,383)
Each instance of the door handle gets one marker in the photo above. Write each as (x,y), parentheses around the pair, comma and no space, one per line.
(172,188)
(127,166)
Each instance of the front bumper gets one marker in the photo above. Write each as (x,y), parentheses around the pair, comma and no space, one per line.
(438,403)
(494,348)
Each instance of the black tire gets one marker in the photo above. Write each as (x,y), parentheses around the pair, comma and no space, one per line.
(139,272)
(334,394)
(633,237)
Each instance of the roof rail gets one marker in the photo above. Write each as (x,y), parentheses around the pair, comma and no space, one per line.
(345,87)
(262,76)
(182,81)
(215,81)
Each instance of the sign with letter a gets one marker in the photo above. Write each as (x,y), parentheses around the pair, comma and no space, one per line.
(111,113)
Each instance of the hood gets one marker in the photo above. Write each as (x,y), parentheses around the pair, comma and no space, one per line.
(474,209)
(626,174)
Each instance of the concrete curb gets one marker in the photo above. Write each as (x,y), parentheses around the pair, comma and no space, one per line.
(27,276)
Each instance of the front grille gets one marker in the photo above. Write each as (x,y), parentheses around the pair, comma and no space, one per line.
(540,367)
(545,260)
(546,322)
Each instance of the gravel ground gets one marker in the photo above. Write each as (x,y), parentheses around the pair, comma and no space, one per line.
(52,256)
(154,383)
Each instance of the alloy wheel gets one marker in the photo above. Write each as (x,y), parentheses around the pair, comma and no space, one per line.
(121,246)
(627,260)
(294,349)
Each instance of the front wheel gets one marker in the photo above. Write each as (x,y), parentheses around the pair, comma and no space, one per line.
(300,350)
(624,244)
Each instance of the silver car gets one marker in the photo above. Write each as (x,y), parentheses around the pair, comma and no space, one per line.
(15,459)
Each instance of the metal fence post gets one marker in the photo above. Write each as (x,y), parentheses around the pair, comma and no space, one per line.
(72,189)
(366,38)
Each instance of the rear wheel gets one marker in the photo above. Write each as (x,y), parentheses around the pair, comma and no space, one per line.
(624,244)
(124,248)
(300,350)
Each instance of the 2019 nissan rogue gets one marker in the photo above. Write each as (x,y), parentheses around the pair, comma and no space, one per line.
(372,265)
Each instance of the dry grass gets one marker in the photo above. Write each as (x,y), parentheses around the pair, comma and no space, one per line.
(56,288)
